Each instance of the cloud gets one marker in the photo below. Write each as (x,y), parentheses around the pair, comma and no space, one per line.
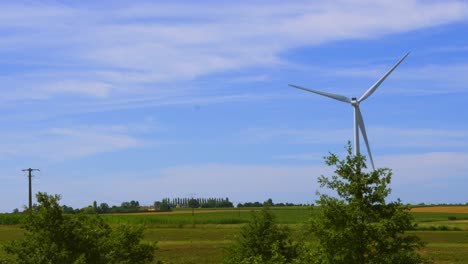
(368,19)
(93,89)
(293,136)
(423,138)
(409,80)
(302,157)
(402,138)
(64,143)
(428,166)
(137,44)
(457,48)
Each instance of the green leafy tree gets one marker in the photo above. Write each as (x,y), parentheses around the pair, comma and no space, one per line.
(103,208)
(263,241)
(193,203)
(268,202)
(164,206)
(357,225)
(54,237)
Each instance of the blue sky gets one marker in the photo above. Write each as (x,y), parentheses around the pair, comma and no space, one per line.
(135,100)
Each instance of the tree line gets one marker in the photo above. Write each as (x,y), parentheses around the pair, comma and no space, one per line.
(166,204)
(268,202)
(199,202)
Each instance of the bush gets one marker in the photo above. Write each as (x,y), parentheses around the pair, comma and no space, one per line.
(53,237)
(263,241)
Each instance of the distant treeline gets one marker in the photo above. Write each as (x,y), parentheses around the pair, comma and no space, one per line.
(167,203)
(104,208)
(268,202)
(439,204)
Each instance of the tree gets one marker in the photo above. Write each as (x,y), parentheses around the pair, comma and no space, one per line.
(69,209)
(263,241)
(103,208)
(358,226)
(268,202)
(193,203)
(164,206)
(54,237)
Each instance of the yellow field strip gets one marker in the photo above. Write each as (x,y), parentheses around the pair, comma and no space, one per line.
(441,209)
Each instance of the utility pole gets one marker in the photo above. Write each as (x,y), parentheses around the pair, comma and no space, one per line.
(30,187)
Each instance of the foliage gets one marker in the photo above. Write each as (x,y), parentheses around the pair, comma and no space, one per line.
(54,237)
(203,202)
(263,241)
(216,203)
(268,202)
(250,204)
(69,210)
(11,219)
(359,226)
(193,203)
(103,208)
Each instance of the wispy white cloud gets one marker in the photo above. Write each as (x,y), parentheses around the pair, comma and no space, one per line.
(64,143)
(427,138)
(428,166)
(153,101)
(134,43)
(457,48)
(93,89)
(294,136)
(411,80)
(302,157)
(401,138)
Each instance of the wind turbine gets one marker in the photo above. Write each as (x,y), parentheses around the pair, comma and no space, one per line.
(358,120)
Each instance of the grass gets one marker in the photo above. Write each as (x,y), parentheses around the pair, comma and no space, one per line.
(287,215)
(10,219)
(203,238)
(437,216)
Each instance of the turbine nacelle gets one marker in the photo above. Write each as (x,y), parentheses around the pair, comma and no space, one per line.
(358,120)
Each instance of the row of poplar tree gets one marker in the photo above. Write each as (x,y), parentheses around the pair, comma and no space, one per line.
(167,203)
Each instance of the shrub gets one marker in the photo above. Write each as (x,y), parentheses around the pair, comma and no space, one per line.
(53,237)
(263,241)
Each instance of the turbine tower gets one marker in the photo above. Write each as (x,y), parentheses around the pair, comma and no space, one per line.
(358,120)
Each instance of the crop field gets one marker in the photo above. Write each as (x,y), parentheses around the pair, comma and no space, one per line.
(203,237)
(287,215)
(441,209)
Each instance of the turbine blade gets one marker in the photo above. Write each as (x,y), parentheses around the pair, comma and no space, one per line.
(364,135)
(374,87)
(333,96)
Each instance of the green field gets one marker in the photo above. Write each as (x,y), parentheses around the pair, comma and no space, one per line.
(202,238)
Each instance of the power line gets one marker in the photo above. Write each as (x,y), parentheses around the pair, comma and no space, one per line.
(30,185)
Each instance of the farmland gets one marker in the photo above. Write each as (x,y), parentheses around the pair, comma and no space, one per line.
(202,238)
